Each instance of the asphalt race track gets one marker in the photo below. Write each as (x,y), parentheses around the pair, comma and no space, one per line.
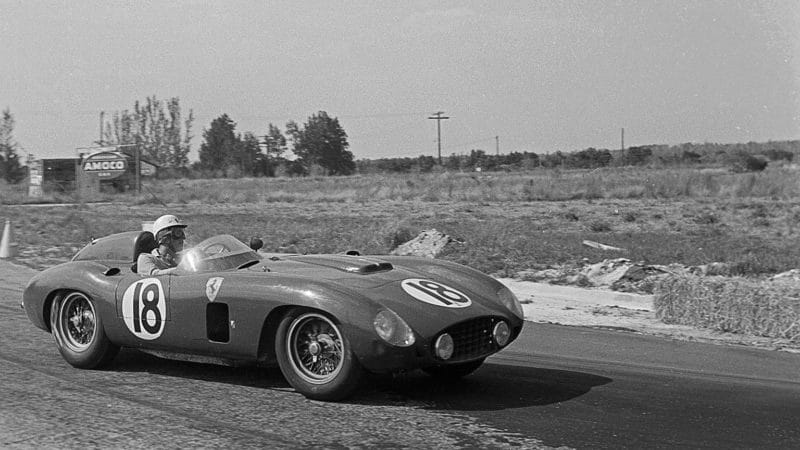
(555,386)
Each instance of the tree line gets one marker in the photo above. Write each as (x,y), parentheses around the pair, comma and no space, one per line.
(156,128)
(319,146)
(162,134)
(748,157)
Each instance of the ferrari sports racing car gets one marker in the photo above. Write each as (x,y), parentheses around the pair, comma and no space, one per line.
(323,319)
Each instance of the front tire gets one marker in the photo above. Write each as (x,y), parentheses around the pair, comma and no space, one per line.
(315,356)
(78,331)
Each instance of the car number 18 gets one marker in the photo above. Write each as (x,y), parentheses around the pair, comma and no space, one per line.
(435,293)
(144,308)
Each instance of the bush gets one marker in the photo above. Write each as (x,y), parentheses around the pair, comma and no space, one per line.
(735,305)
(599,226)
(707,218)
(745,162)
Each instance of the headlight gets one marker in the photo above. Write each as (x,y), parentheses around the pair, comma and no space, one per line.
(510,301)
(393,329)
(501,333)
(444,346)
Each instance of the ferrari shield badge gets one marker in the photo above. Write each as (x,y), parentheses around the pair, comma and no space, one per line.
(212,287)
(435,293)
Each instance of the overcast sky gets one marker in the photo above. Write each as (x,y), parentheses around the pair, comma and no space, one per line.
(541,75)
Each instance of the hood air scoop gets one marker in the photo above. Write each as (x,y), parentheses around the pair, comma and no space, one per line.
(350,264)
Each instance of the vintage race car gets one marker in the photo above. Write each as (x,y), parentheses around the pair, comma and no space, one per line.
(323,319)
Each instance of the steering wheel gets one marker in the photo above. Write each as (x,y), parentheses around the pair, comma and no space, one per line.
(214,249)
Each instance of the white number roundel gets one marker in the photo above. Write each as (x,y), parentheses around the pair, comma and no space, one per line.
(435,293)
(144,308)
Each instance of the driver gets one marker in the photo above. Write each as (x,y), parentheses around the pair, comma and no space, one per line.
(168,231)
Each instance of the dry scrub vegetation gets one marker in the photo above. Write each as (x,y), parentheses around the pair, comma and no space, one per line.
(508,222)
(539,185)
(623,183)
(738,305)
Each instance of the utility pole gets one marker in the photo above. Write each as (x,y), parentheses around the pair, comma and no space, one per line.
(437,116)
(138,164)
(102,116)
(497,145)
(623,139)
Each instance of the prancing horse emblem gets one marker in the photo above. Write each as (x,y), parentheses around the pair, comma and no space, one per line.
(212,287)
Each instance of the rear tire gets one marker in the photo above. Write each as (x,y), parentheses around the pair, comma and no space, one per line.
(453,371)
(315,356)
(78,331)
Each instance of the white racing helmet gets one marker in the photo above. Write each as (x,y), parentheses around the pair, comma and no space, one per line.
(165,222)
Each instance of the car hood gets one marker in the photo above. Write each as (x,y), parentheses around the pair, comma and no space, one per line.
(358,271)
(395,283)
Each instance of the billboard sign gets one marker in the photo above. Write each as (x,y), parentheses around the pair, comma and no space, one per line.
(146,169)
(35,174)
(105,165)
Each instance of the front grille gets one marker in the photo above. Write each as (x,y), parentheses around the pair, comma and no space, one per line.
(473,338)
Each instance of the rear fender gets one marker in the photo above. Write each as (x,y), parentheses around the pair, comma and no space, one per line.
(92,278)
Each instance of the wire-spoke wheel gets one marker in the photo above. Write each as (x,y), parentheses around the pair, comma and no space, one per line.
(78,331)
(315,356)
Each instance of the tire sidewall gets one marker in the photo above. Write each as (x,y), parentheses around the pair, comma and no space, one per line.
(340,386)
(98,353)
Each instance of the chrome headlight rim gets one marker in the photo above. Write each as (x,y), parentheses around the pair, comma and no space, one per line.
(444,346)
(392,329)
(510,301)
(501,333)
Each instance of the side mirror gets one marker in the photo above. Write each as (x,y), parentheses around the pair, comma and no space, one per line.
(256,243)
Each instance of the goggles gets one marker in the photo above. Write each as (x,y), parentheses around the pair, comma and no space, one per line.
(174,234)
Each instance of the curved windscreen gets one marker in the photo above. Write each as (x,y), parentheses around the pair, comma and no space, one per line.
(222,252)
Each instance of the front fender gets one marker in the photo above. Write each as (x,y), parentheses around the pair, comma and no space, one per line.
(355,313)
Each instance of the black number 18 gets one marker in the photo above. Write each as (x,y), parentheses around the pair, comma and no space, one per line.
(149,298)
(439,292)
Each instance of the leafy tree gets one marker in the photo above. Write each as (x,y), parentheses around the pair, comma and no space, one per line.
(590,158)
(10,168)
(160,133)
(690,156)
(551,160)
(426,163)
(220,147)
(477,158)
(275,142)
(322,142)
(637,156)
(777,155)
(453,162)
(293,134)
(249,156)
(178,147)
(742,161)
